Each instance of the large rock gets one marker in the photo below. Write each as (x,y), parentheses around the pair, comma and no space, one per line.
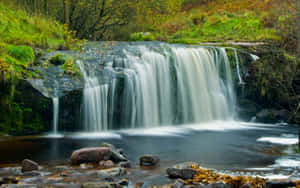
(28,165)
(90,155)
(149,160)
(116,156)
(183,171)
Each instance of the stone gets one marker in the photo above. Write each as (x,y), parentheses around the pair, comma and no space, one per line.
(149,160)
(90,155)
(28,165)
(123,182)
(112,172)
(183,171)
(218,185)
(106,164)
(100,185)
(126,164)
(86,166)
(280,184)
(8,180)
(116,155)
(179,183)
(138,185)
(247,185)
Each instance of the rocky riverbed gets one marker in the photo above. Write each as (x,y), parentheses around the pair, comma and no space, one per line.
(107,166)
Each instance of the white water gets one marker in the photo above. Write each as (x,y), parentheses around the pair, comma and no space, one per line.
(167,85)
(94,102)
(55,102)
(237,63)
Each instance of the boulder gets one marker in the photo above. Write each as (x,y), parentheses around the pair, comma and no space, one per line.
(116,156)
(90,155)
(28,165)
(149,160)
(106,164)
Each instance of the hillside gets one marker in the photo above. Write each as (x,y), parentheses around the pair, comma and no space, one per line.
(20,33)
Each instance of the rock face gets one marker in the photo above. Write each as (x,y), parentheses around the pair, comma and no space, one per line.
(90,155)
(28,165)
(149,160)
(183,171)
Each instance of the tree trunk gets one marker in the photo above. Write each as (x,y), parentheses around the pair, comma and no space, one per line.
(298,45)
(67,12)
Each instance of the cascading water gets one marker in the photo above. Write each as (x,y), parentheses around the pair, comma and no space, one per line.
(95,102)
(55,102)
(148,86)
(237,62)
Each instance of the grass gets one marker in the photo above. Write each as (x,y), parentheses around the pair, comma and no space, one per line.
(20,33)
(219,21)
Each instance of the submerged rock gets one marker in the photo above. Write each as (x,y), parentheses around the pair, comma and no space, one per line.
(112,172)
(126,164)
(28,165)
(100,185)
(90,155)
(149,160)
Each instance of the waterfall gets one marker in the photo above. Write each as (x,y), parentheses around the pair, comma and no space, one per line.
(237,63)
(160,84)
(55,102)
(95,102)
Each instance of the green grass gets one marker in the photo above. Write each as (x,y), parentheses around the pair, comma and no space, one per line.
(20,33)
(18,28)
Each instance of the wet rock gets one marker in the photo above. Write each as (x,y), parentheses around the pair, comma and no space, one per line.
(90,155)
(247,185)
(116,156)
(106,164)
(63,185)
(8,180)
(32,173)
(149,160)
(112,172)
(86,166)
(272,115)
(123,182)
(183,171)
(58,59)
(179,183)
(20,186)
(280,184)
(138,185)
(218,185)
(126,164)
(28,165)
(100,185)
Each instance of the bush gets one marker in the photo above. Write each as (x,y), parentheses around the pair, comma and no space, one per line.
(141,36)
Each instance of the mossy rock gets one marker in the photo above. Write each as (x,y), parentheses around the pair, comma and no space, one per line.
(58,59)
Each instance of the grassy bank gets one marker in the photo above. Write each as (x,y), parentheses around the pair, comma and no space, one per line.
(21,33)
(219,21)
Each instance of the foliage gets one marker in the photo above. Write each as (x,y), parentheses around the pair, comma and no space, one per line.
(142,36)
(71,68)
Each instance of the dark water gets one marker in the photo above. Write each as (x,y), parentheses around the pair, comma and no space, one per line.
(223,146)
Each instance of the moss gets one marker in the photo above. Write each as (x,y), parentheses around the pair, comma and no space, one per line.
(58,59)
(70,68)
